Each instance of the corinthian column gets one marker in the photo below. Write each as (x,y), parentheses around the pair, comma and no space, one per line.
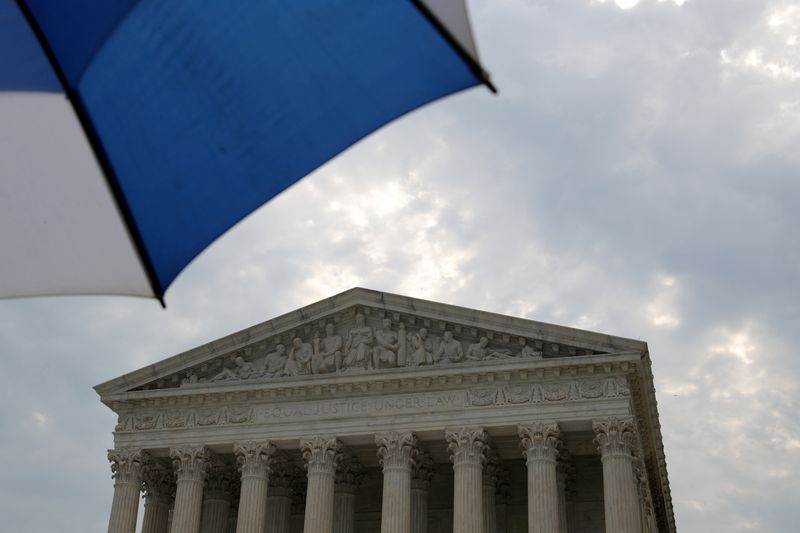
(279,499)
(253,459)
(348,477)
(126,469)
(540,442)
(321,454)
(217,498)
(159,493)
(396,453)
(615,439)
(466,447)
(299,489)
(420,483)
(490,472)
(191,465)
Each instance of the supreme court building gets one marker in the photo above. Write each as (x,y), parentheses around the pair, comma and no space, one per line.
(371,412)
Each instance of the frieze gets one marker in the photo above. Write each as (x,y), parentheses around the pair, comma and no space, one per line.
(366,341)
(484,396)
(522,393)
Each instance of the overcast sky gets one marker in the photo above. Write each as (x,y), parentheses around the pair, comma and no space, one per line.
(636,175)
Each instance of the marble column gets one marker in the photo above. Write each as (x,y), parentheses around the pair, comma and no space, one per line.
(253,460)
(279,498)
(299,489)
(466,447)
(396,452)
(490,472)
(501,496)
(421,476)
(348,477)
(217,498)
(563,470)
(645,499)
(191,465)
(126,469)
(540,443)
(158,481)
(615,439)
(321,454)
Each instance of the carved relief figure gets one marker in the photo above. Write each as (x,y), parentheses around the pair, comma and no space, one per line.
(450,350)
(480,352)
(327,352)
(275,362)
(384,354)
(402,345)
(189,378)
(299,361)
(421,348)
(528,352)
(359,345)
(241,370)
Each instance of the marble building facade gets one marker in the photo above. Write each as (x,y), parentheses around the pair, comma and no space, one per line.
(372,412)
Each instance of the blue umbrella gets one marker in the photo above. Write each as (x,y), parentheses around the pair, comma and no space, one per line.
(183,116)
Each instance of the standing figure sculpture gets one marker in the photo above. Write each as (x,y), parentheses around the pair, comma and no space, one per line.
(299,361)
(421,348)
(327,352)
(450,350)
(358,348)
(385,353)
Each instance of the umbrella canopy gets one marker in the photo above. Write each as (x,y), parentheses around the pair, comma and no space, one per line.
(182,117)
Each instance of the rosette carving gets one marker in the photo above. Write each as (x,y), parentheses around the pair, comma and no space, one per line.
(466,445)
(321,454)
(540,441)
(254,458)
(191,462)
(395,449)
(614,436)
(127,465)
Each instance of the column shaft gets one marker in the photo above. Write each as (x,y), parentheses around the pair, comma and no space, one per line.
(215,515)
(540,441)
(279,510)
(254,460)
(156,515)
(489,507)
(321,455)
(344,509)
(466,447)
(419,507)
(126,468)
(615,440)
(191,465)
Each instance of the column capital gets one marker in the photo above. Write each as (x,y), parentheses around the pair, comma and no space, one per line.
(254,458)
(396,449)
(422,470)
(321,453)
(191,462)
(614,436)
(220,481)
(540,441)
(158,482)
(466,444)
(348,474)
(491,468)
(282,474)
(127,464)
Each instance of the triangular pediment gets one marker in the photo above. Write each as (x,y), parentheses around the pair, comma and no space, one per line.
(363,331)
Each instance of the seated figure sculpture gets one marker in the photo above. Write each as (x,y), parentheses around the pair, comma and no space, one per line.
(328,352)
(385,353)
(299,361)
(275,362)
(529,352)
(450,350)
(358,347)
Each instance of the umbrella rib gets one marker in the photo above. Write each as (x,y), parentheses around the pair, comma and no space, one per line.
(99,151)
(474,65)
